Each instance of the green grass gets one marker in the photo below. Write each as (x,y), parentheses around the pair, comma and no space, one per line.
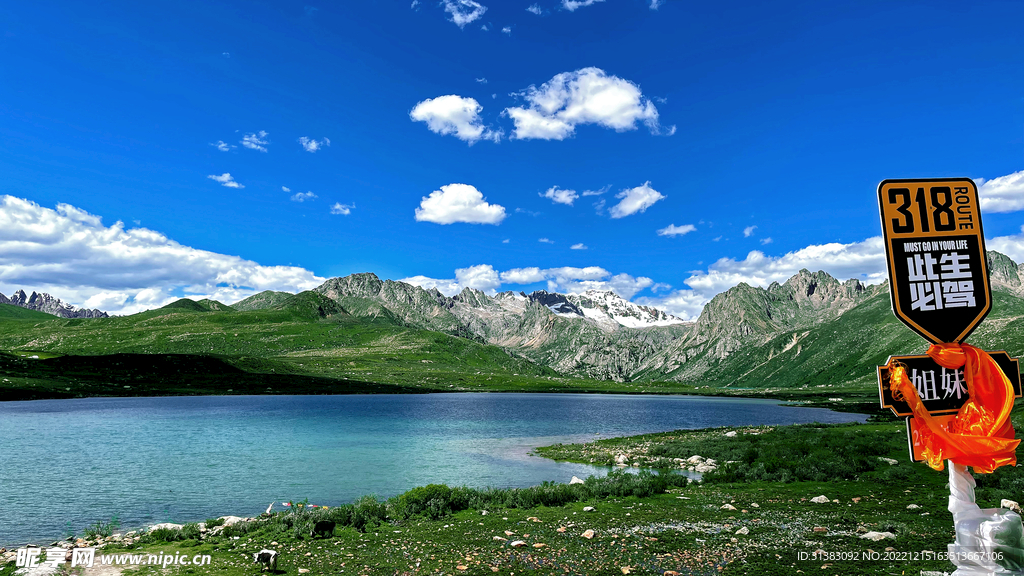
(12,312)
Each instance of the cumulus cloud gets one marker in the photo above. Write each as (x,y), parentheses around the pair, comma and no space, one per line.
(1012,246)
(343,209)
(560,196)
(311,145)
(863,260)
(256,141)
(303,196)
(447,286)
(225,179)
(507,30)
(673,230)
(286,189)
(481,80)
(655,4)
(481,277)
(463,11)
(458,203)
(685,304)
(767,240)
(633,200)
(534,9)
(222,146)
(70,253)
(454,115)
(569,279)
(748,231)
(586,96)
(572,5)
(580,246)
(1003,194)
(545,241)
(597,192)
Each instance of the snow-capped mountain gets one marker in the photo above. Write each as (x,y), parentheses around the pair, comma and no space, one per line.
(608,307)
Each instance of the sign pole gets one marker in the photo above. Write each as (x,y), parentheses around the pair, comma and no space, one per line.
(957,398)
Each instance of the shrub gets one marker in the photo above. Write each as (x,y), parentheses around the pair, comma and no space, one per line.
(213,523)
(102,529)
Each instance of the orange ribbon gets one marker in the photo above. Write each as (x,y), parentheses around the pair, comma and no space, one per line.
(981,435)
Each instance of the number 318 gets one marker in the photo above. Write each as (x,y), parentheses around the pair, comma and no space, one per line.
(942,218)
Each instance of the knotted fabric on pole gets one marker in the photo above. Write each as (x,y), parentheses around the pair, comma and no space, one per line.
(981,435)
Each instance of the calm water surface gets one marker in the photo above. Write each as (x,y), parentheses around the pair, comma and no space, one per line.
(65,464)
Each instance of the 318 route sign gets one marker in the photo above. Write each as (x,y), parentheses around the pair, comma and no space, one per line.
(935,250)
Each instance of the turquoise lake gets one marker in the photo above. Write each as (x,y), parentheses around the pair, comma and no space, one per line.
(65,464)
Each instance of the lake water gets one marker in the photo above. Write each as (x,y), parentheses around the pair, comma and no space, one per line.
(65,464)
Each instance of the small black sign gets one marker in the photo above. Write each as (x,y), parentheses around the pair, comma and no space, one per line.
(943,391)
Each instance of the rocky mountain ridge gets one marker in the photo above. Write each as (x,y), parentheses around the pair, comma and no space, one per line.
(43,302)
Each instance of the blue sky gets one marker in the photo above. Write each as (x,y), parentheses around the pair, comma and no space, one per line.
(753,134)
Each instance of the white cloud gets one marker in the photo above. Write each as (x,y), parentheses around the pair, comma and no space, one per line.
(256,141)
(485,27)
(655,4)
(303,196)
(767,240)
(225,179)
(673,230)
(580,246)
(633,200)
(343,209)
(863,260)
(534,9)
(685,304)
(575,280)
(545,241)
(523,275)
(414,4)
(572,5)
(481,277)
(560,196)
(455,115)
(586,96)
(286,189)
(72,255)
(311,145)
(449,287)
(597,192)
(463,11)
(222,146)
(481,80)
(1012,246)
(507,30)
(748,231)
(1002,194)
(458,203)
(505,241)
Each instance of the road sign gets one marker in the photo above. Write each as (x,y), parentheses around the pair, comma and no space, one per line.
(942,391)
(935,251)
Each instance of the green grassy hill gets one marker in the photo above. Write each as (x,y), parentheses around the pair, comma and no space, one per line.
(12,312)
(307,336)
